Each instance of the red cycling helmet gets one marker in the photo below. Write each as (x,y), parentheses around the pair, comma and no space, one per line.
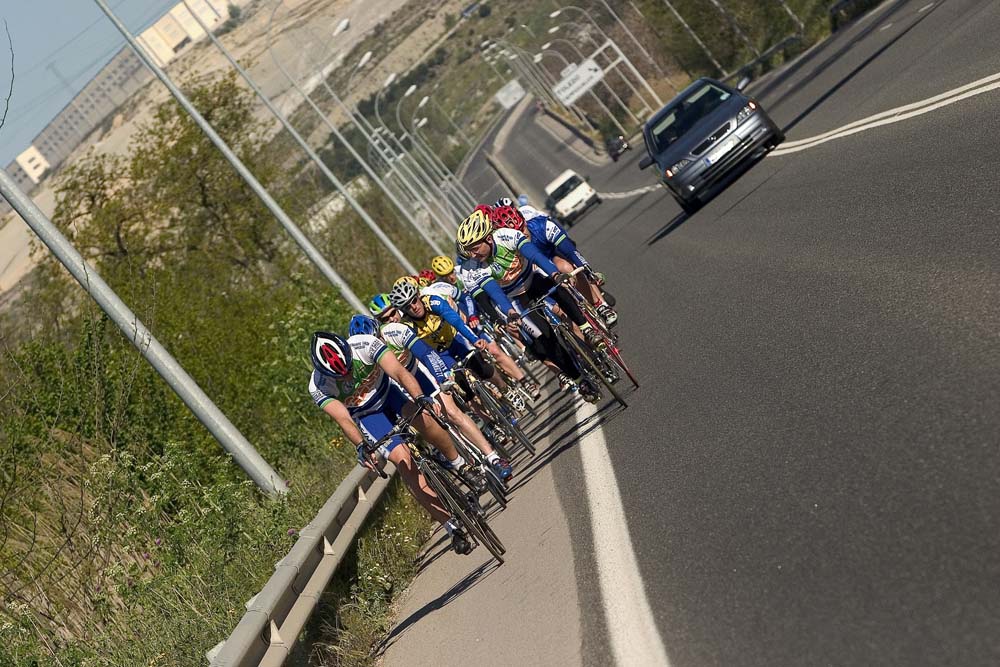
(487,210)
(507,216)
(428,275)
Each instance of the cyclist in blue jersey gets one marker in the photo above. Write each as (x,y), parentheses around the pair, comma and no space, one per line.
(555,244)
(352,381)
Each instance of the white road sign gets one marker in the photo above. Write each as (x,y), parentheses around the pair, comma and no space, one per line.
(510,94)
(572,86)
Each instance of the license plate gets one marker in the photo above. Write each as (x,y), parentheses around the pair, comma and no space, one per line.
(726,146)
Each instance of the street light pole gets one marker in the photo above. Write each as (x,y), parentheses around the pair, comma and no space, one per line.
(404,211)
(304,145)
(303,242)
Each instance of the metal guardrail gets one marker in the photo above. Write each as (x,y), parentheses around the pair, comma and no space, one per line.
(275,617)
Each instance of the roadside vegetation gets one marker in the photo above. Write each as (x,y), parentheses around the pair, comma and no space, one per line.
(129,538)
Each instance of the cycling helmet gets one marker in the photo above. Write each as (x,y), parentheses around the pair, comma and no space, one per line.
(362,324)
(484,208)
(331,355)
(403,294)
(522,200)
(474,229)
(405,279)
(379,304)
(460,252)
(507,216)
(442,265)
(503,201)
(428,275)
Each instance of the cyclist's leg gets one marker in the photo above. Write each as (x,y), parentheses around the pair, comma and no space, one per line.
(376,426)
(429,384)
(587,288)
(505,362)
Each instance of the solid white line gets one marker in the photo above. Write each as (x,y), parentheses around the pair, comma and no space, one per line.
(887,121)
(630,193)
(627,614)
(897,110)
(925,8)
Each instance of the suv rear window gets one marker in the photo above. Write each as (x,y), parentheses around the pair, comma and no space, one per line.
(685,113)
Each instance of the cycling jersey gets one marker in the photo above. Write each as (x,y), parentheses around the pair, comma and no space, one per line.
(414,354)
(367,387)
(466,304)
(549,237)
(508,272)
(440,323)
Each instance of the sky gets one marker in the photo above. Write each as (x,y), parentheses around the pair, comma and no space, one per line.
(71,36)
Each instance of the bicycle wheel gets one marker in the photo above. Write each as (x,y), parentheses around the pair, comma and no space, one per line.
(586,359)
(616,356)
(471,453)
(511,429)
(437,479)
(488,421)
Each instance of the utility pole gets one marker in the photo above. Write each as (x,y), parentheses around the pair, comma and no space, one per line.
(307,247)
(151,350)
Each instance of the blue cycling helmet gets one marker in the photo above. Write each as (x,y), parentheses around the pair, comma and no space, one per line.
(522,200)
(362,324)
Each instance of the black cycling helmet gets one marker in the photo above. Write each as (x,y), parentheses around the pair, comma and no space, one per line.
(331,355)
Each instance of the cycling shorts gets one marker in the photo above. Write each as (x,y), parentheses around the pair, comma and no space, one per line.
(376,424)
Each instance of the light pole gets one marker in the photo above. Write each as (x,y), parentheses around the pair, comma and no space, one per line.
(438,168)
(424,180)
(695,37)
(404,211)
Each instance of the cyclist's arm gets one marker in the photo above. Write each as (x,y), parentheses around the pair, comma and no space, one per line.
(492,289)
(397,372)
(564,245)
(532,253)
(430,359)
(451,316)
(339,412)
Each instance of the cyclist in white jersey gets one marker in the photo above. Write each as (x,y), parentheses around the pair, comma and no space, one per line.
(352,382)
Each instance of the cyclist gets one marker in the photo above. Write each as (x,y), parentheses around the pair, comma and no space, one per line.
(352,382)
(507,267)
(436,321)
(430,370)
(556,244)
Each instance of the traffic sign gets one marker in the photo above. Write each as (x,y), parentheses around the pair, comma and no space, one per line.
(510,94)
(577,82)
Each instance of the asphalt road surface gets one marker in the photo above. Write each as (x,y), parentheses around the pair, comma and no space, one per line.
(811,470)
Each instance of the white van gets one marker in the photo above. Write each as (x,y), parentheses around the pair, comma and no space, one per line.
(568,196)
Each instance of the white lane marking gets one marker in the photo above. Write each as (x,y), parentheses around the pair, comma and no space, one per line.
(627,614)
(885,27)
(978,87)
(925,8)
(630,193)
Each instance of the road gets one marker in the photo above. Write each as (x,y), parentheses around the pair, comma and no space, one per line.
(811,471)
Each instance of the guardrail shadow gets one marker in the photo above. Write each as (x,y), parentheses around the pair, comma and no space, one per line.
(467,583)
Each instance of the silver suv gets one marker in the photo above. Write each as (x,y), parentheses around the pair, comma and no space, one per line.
(706,137)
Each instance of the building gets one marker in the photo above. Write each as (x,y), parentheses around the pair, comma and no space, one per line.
(33,163)
(116,82)
(177,28)
(22,180)
(111,86)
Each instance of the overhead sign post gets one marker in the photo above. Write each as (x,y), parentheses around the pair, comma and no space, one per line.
(575,83)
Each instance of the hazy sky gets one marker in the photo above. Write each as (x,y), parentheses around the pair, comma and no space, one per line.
(71,36)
